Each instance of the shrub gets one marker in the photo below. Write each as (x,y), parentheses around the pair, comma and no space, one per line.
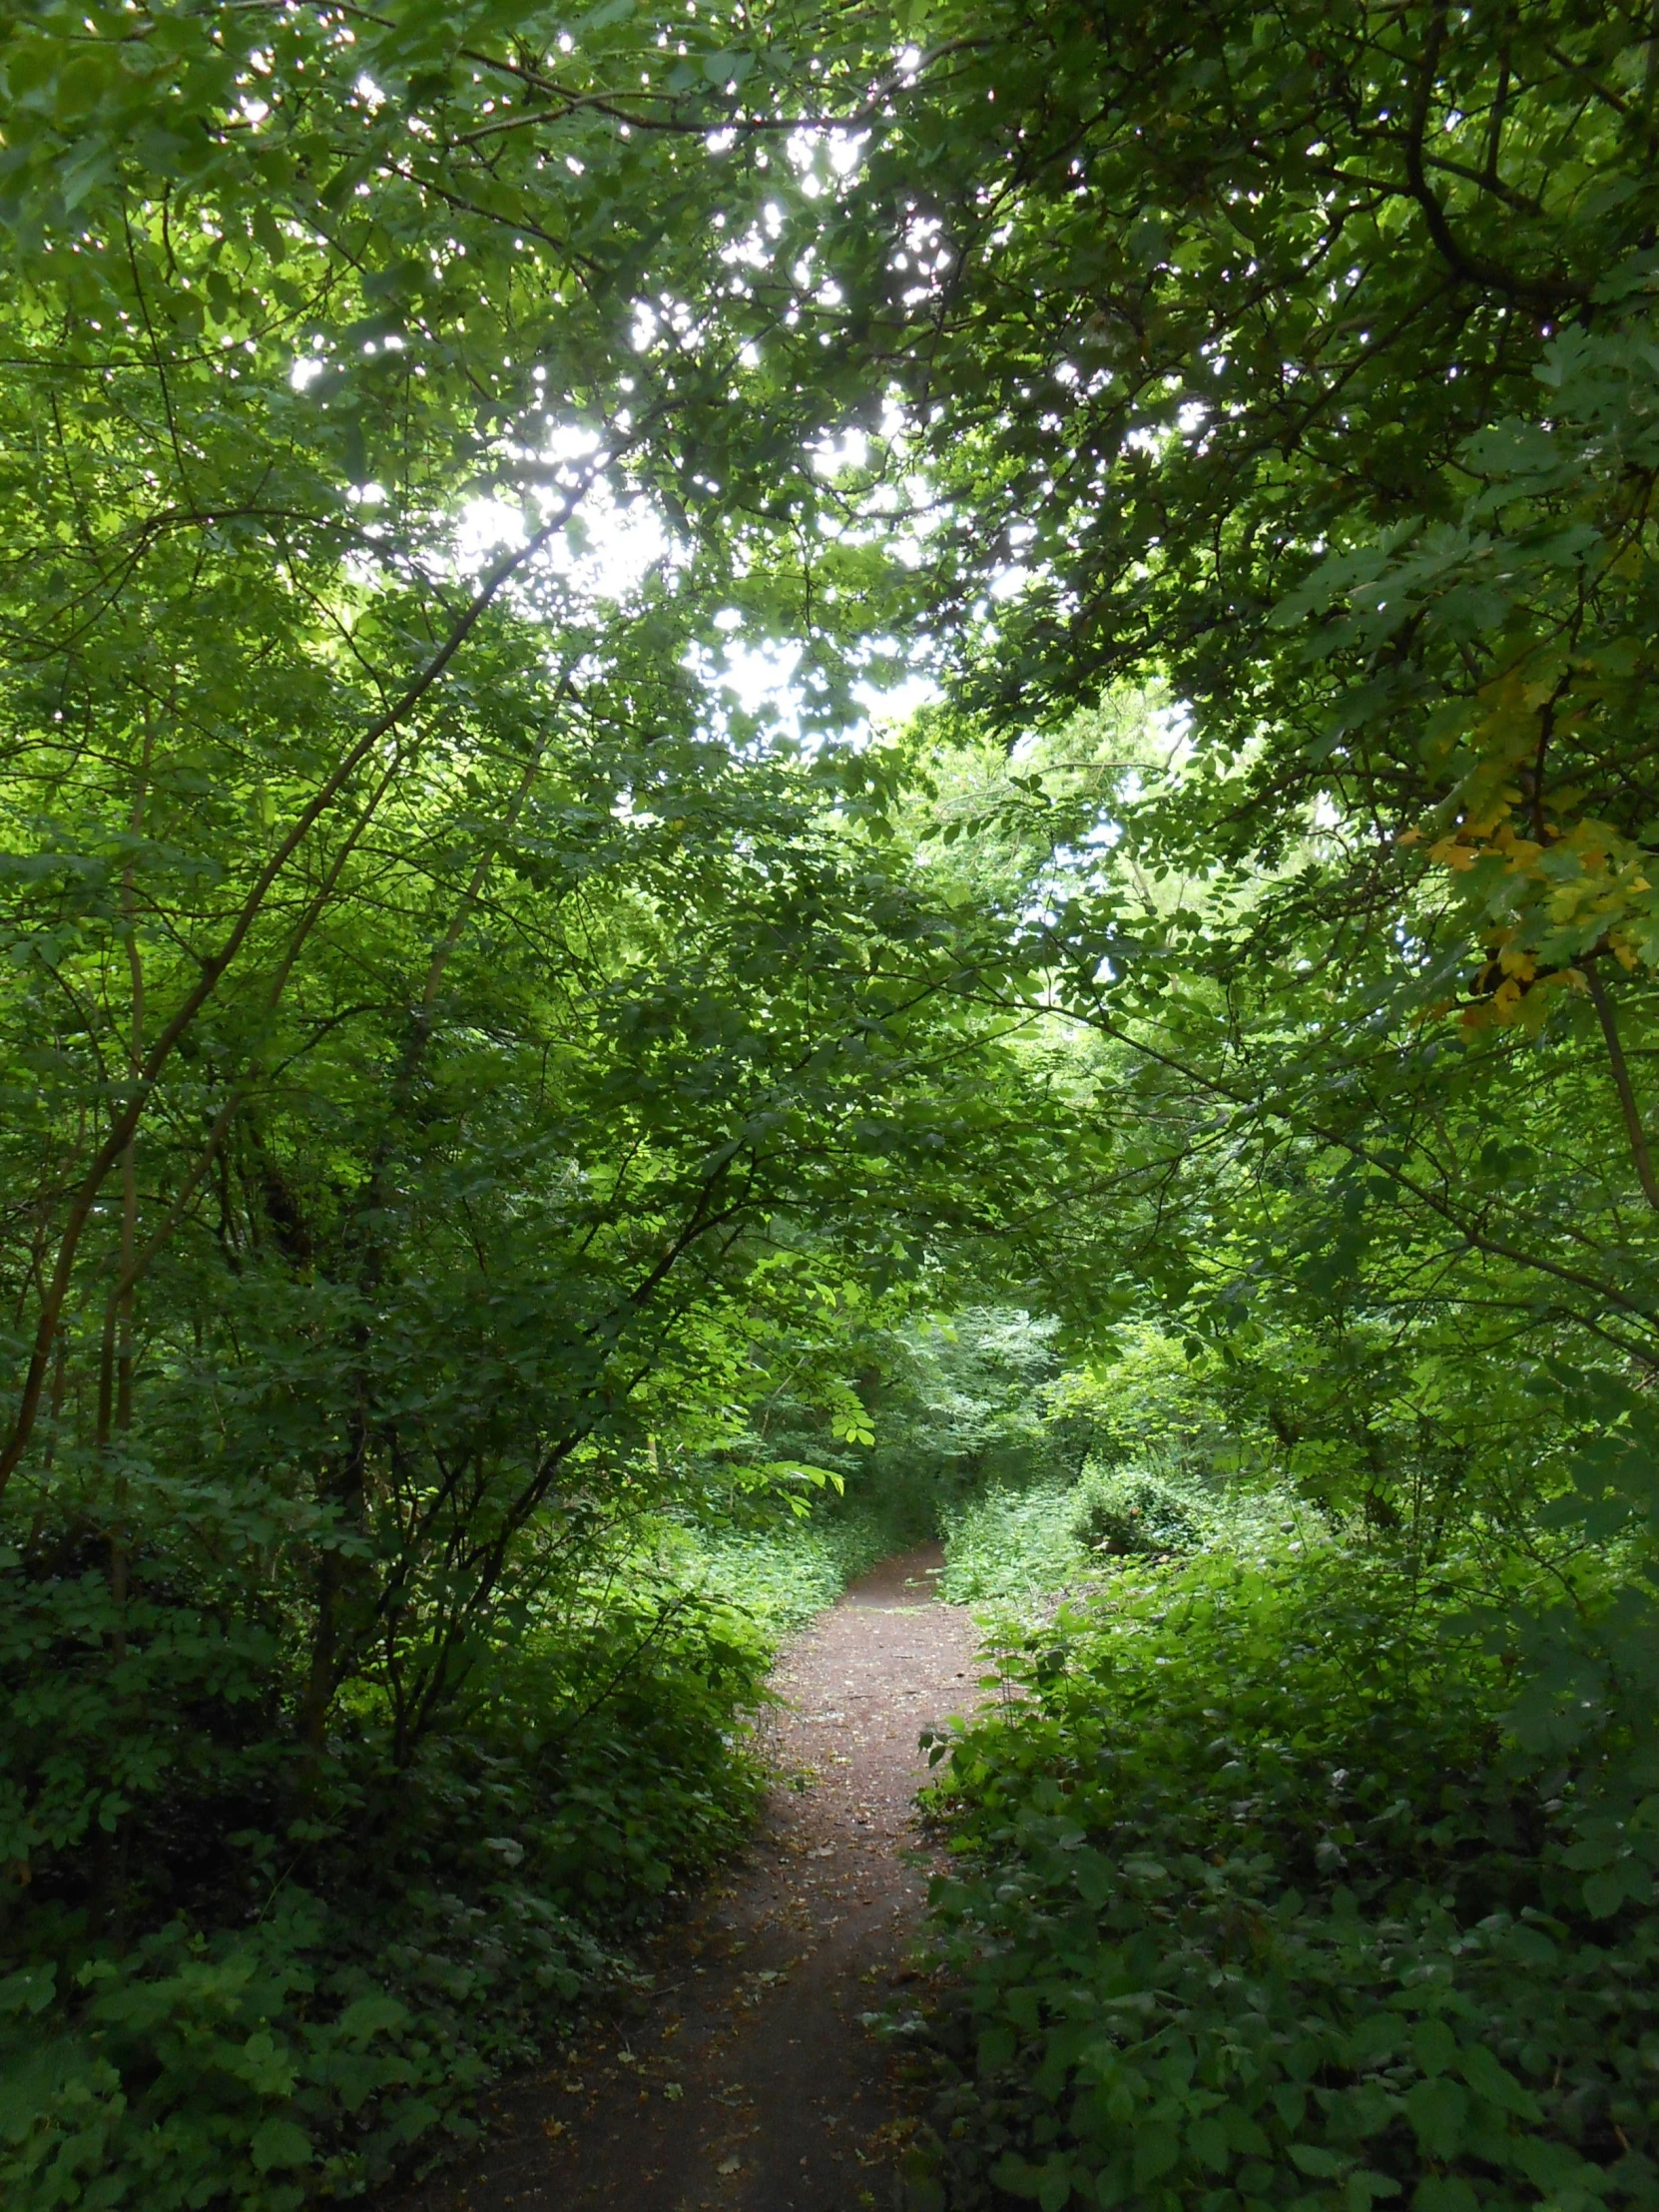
(1014,1545)
(1123,1511)
(360,1966)
(1254,1909)
(1021,1548)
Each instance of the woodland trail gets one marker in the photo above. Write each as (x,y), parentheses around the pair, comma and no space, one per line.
(748,2082)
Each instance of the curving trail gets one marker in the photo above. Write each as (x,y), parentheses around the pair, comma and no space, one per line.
(748,2084)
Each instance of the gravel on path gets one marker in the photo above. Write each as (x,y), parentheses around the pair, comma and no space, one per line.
(748,2084)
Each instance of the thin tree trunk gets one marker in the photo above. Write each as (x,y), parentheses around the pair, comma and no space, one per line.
(1633,1129)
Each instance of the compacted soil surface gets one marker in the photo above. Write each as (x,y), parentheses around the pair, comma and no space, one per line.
(747,2081)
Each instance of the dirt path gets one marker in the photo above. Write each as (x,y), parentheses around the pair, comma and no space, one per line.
(748,2084)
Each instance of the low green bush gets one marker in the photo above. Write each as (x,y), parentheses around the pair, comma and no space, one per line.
(1254,1906)
(1121,1511)
(782,1577)
(1014,1546)
(1021,1548)
(374,1943)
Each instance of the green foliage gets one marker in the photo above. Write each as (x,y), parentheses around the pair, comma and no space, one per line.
(1252,1902)
(486,1110)
(1014,1546)
(967,1396)
(1150,1405)
(782,1578)
(1305,363)
(322,2030)
(1126,1511)
(1173,1462)
(953,1399)
(1025,1545)
(442,1034)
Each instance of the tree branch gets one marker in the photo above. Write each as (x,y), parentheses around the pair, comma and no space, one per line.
(1633,1129)
(216,965)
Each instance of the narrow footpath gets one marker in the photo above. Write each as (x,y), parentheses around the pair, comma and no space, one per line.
(748,2084)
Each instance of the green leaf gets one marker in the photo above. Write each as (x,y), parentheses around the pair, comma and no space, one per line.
(1325,2165)
(1157,2147)
(278,2143)
(1438,2110)
(1490,2078)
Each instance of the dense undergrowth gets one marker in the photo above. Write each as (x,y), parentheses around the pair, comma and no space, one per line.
(315,1978)
(242,1970)
(1018,1545)
(781,1578)
(1258,1902)
(240,1982)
